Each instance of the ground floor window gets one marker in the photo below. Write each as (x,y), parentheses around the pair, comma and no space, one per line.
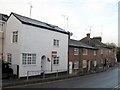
(9,57)
(76,64)
(56,60)
(28,59)
(95,63)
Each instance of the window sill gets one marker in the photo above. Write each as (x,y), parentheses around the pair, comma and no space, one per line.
(84,54)
(29,65)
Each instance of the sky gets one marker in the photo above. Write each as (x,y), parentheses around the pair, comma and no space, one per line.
(97,17)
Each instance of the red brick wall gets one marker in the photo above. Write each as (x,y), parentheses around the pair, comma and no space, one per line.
(90,56)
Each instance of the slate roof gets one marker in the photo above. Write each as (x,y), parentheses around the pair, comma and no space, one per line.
(75,43)
(33,22)
(3,17)
(94,42)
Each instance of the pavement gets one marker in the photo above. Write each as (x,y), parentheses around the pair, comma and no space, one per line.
(6,83)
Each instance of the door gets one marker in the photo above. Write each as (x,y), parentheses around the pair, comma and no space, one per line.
(43,63)
(89,65)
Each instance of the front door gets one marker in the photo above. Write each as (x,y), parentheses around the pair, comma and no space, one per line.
(89,65)
(43,63)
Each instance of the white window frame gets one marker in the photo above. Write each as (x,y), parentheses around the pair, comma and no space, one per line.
(28,59)
(76,51)
(95,63)
(95,52)
(56,42)
(85,51)
(9,57)
(56,60)
(101,51)
(14,36)
(76,64)
(84,63)
(110,51)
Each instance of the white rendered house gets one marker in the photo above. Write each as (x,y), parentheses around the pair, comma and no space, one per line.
(35,46)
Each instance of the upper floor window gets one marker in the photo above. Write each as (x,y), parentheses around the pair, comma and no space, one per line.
(56,42)
(28,59)
(15,37)
(84,51)
(9,57)
(110,51)
(95,52)
(76,51)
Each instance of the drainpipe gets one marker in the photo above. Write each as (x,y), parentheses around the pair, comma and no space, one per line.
(2,39)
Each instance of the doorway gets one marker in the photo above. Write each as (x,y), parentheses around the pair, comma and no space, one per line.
(43,63)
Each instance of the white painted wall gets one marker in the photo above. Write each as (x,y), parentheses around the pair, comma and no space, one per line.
(40,41)
(35,40)
(14,48)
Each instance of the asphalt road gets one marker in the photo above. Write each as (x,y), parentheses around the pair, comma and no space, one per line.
(107,79)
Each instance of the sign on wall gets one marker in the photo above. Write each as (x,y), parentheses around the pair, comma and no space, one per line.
(54,53)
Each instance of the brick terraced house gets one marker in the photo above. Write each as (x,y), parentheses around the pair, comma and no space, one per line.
(82,57)
(106,54)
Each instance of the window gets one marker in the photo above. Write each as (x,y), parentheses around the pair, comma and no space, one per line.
(101,61)
(95,63)
(28,59)
(76,64)
(56,60)
(101,51)
(95,52)
(76,51)
(110,51)
(84,63)
(84,51)
(56,42)
(15,37)
(9,57)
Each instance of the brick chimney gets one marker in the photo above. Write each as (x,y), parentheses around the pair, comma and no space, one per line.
(98,38)
(88,35)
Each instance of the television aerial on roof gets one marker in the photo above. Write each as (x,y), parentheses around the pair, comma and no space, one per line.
(30,8)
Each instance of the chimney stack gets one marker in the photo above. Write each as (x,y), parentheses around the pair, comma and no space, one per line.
(88,35)
(98,38)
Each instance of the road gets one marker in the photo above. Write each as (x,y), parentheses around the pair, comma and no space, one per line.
(107,79)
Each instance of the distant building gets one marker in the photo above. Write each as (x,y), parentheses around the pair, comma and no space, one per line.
(82,57)
(106,55)
(35,47)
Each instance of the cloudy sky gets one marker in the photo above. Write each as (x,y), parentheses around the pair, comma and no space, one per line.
(100,15)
